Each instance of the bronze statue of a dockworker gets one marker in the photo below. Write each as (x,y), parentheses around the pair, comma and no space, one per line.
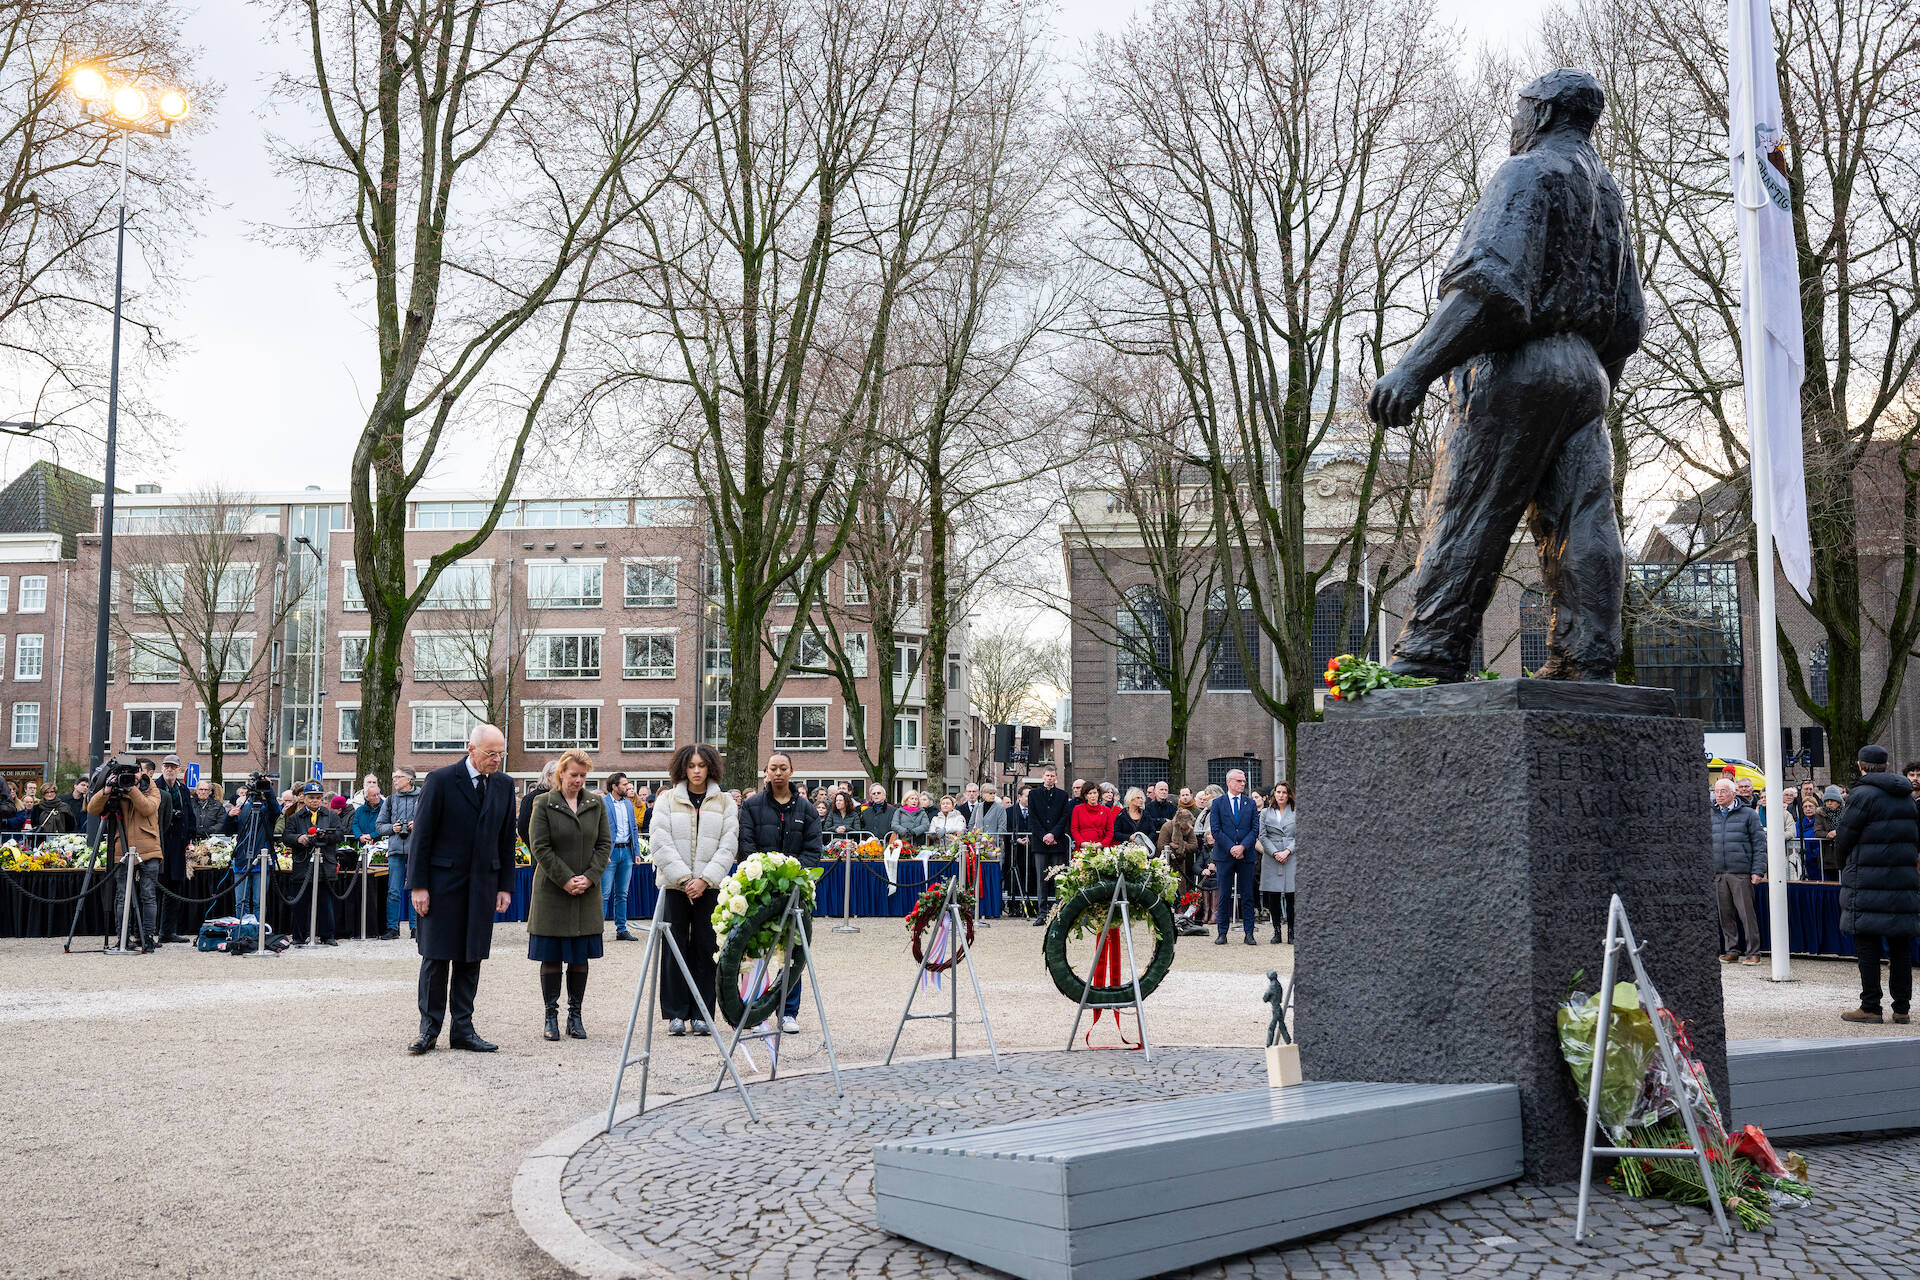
(1539,310)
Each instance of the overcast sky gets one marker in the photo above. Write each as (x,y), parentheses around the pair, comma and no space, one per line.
(272,382)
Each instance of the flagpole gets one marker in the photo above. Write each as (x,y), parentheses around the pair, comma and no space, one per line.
(1751,199)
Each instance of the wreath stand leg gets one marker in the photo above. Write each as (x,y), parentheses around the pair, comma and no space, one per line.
(957,931)
(645,996)
(792,926)
(1118,906)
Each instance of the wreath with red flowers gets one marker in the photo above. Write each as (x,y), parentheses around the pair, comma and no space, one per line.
(926,912)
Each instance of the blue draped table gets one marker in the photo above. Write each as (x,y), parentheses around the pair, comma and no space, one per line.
(870,894)
(1813,920)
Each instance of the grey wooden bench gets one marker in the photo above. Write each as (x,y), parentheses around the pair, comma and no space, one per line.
(1136,1190)
(1790,1087)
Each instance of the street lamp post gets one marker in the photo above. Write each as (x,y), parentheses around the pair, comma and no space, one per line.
(126,108)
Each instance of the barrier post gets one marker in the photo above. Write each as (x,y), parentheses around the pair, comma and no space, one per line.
(846,924)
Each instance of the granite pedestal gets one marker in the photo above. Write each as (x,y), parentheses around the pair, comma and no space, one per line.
(1458,848)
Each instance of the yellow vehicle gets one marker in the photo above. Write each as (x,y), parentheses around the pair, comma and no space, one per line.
(1719,766)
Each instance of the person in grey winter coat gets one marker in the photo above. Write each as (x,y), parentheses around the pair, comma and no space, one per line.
(1277,861)
(1739,863)
(395,822)
(1878,846)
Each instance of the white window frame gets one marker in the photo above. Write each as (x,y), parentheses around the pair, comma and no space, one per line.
(150,709)
(242,643)
(846,725)
(6,584)
(348,639)
(671,706)
(438,599)
(853,587)
(28,743)
(442,675)
(856,654)
(578,599)
(672,567)
(230,745)
(352,598)
(341,741)
(799,741)
(33,593)
(545,742)
(627,669)
(909,720)
(579,671)
(39,651)
(808,637)
(459,709)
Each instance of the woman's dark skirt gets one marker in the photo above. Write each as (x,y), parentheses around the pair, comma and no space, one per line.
(564,950)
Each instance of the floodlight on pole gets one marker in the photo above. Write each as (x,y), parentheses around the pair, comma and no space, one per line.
(125,107)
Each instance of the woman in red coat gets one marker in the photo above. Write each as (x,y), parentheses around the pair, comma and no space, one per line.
(1091,822)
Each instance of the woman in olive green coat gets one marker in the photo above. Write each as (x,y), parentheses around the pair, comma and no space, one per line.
(570,840)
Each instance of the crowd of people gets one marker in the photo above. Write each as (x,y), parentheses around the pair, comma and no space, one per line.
(1869,838)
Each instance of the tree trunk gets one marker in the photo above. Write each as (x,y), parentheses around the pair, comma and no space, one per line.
(939,625)
(379,697)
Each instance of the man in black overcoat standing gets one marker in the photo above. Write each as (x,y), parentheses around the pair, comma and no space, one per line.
(460,873)
(1047,810)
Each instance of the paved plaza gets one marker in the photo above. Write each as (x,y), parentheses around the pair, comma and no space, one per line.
(185,1111)
(813,1150)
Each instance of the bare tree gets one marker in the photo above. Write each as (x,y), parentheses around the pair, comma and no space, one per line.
(474,158)
(474,647)
(59,193)
(1268,191)
(205,608)
(1148,537)
(829,138)
(1005,667)
(1849,70)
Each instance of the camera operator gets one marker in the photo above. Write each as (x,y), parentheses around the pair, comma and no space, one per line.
(137,802)
(178,829)
(310,829)
(252,818)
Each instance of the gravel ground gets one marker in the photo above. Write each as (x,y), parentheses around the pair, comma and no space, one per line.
(169,1115)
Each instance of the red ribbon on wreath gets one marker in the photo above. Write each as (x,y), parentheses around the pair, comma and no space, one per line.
(1106,973)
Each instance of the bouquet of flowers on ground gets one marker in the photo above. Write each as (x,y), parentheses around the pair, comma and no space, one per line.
(522,856)
(1147,876)
(759,880)
(1639,1107)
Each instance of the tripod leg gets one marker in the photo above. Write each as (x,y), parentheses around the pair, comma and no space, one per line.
(1087,993)
(820,1011)
(648,970)
(713,1030)
(1133,971)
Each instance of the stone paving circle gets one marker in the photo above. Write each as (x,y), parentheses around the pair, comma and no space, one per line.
(692,1189)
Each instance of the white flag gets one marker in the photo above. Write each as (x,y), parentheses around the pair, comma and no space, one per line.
(1773,354)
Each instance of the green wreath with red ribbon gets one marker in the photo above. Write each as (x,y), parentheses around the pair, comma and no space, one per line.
(926,912)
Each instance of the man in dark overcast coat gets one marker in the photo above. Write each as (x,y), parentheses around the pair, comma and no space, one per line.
(460,872)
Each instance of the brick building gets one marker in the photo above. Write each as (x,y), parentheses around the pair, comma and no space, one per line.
(578,622)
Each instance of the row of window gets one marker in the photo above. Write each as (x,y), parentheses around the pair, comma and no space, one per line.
(647,584)
(158,729)
(654,655)
(643,727)
(29,656)
(1144,771)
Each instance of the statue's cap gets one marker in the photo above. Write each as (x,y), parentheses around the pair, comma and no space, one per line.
(1572,90)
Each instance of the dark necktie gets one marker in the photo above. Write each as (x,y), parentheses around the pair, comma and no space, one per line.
(478,779)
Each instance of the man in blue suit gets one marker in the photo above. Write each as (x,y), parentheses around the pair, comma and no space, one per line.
(616,880)
(1234,820)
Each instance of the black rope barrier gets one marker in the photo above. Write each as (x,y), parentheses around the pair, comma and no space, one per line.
(57,902)
(198,902)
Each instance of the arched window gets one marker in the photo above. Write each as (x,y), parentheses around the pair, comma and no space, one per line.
(1141,647)
(1141,772)
(1536,615)
(1220,766)
(1817,673)
(1225,671)
(1326,625)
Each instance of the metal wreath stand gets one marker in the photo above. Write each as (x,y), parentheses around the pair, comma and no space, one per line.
(1117,905)
(1620,938)
(793,933)
(948,917)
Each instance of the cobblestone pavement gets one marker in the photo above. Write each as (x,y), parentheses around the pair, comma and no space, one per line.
(696,1189)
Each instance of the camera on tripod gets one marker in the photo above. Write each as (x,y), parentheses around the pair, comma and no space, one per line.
(117,777)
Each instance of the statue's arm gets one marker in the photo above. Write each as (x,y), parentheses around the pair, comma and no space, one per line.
(1460,328)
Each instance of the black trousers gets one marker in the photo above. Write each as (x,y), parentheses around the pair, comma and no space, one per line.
(1899,970)
(1280,908)
(173,914)
(302,909)
(439,980)
(1529,438)
(1045,858)
(146,911)
(691,924)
